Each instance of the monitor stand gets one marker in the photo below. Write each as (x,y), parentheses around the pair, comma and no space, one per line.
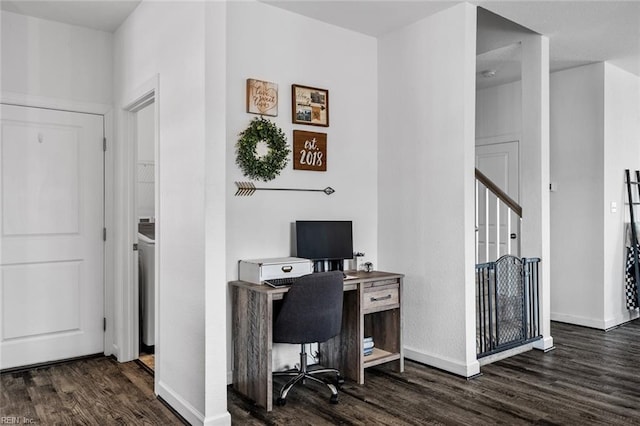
(328,265)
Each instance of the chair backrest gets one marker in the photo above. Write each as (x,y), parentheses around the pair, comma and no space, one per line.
(312,309)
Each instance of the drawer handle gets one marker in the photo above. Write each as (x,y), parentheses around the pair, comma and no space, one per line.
(287,268)
(377,299)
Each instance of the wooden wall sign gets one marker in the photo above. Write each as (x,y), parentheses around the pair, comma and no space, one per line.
(309,151)
(262,97)
(309,105)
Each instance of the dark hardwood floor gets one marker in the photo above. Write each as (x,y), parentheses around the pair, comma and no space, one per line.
(95,391)
(591,378)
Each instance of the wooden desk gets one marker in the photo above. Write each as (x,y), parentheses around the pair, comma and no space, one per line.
(372,307)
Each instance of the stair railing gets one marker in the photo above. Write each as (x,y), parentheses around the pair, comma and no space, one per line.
(498,221)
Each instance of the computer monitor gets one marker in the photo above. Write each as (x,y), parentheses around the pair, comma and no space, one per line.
(326,242)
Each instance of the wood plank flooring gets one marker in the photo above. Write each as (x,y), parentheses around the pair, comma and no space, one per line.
(95,391)
(591,378)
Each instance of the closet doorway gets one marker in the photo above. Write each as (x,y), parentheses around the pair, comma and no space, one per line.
(145,223)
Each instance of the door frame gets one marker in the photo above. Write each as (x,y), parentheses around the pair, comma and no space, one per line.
(135,100)
(106,111)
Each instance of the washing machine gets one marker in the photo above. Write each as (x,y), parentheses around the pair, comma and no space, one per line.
(146,253)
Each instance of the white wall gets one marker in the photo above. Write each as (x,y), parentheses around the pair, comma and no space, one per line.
(534,172)
(621,151)
(595,129)
(145,121)
(215,210)
(499,111)
(426,156)
(299,50)
(520,111)
(577,212)
(168,39)
(595,112)
(145,161)
(46,59)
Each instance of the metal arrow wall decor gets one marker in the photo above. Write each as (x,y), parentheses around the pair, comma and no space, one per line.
(246,189)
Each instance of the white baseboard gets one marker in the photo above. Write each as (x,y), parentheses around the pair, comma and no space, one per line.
(115,351)
(455,367)
(505,354)
(186,410)
(544,344)
(221,420)
(229,377)
(597,323)
(577,320)
(621,318)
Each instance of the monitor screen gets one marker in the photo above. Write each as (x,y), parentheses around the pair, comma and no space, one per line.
(324,240)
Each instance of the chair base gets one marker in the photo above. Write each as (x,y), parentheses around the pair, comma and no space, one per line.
(303,374)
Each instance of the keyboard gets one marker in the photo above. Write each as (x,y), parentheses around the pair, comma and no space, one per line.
(280,282)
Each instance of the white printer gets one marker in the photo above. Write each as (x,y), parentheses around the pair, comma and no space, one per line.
(259,270)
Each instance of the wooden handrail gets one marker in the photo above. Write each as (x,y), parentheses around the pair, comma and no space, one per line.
(502,196)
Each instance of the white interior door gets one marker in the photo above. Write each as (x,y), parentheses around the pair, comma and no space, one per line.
(500,163)
(52,219)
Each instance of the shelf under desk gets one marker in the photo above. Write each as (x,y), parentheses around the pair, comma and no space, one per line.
(372,307)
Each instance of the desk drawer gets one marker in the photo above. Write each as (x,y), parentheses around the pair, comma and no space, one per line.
(376,298)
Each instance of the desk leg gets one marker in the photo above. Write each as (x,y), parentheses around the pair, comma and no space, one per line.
(252,345)
(344,351)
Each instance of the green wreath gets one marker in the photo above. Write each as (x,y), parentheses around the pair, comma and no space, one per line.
(268,166)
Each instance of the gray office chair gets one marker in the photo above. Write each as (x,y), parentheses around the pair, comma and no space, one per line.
(311,312)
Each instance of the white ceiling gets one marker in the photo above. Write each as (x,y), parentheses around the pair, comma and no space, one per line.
(580,32)
(103,15)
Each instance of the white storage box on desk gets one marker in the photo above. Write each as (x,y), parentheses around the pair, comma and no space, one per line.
(259,270)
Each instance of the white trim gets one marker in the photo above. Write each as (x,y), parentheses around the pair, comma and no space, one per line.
(596,323)
(505,354)
(158,227)
(491,140)
(186,410)
(578,320)
(544,344)
(137,99)
(452,366)
(21,99)
(109,246)
(621,319)
(221,420)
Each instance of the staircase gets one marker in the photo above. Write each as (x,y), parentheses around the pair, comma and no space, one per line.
(498,221)
(507,287)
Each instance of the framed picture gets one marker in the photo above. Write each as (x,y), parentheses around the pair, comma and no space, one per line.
(310,105)
(309,151)
(262,97)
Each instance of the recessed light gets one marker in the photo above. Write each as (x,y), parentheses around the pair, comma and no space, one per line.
(488,73)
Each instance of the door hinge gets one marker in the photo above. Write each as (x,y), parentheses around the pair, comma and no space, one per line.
(104,324)
(104,144)
(104,234)
(135,246)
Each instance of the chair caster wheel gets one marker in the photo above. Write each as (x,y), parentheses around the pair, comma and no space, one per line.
(340,380)
(333,399)
(280,402)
